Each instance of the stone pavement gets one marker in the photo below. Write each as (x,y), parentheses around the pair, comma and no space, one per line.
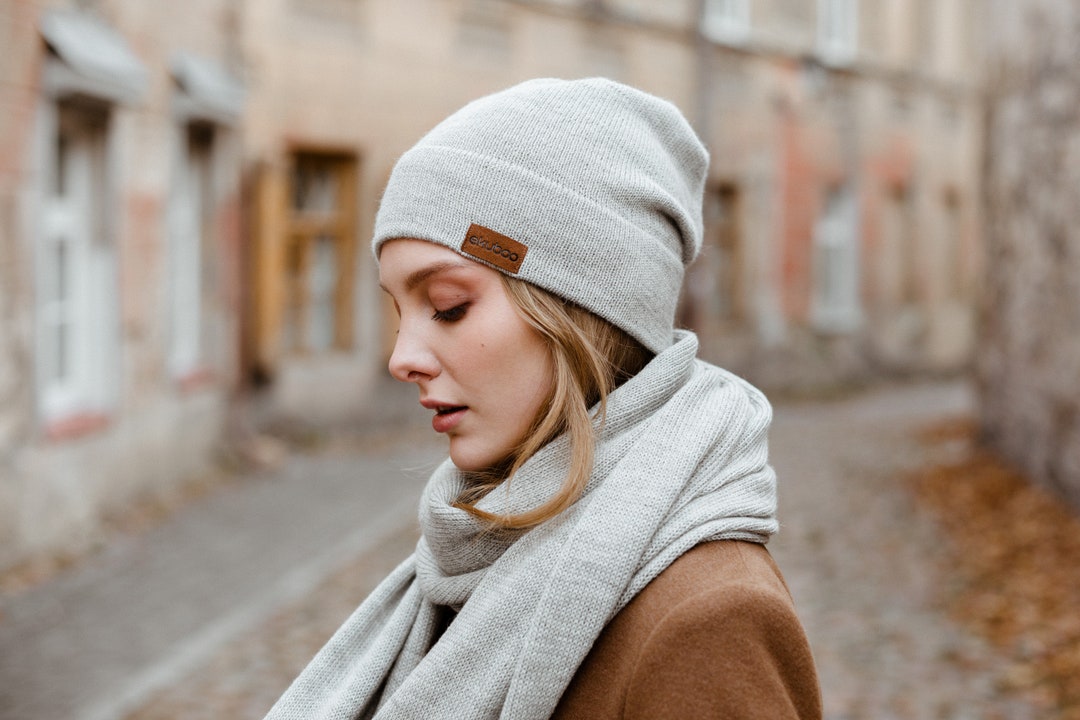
(97,642)
(213,613)
(866,569)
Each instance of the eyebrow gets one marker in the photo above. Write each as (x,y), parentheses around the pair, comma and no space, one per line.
(418,276)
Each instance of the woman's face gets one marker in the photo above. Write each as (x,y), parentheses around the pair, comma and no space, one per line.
(482,369)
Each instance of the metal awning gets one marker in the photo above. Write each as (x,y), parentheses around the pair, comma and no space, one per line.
(207,90)
(92,59)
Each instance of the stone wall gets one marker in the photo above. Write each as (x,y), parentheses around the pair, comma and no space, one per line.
(1029,360)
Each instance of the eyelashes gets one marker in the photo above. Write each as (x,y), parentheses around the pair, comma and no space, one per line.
(452,314)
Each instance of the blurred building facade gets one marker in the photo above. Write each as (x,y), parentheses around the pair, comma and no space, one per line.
(226,232)
(119,236)
(842,227)
(1028,366)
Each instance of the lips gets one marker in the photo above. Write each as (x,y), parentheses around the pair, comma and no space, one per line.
(447,416)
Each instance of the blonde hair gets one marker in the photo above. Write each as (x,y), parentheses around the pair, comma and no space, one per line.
(590,357)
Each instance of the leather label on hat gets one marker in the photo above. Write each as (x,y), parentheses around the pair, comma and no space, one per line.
(495,248)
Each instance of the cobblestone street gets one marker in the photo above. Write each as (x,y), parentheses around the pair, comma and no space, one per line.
(865,569)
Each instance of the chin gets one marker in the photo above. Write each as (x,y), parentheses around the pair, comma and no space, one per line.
(471,459)
(468,463)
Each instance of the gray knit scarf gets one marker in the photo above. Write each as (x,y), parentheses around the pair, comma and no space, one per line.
(680,460)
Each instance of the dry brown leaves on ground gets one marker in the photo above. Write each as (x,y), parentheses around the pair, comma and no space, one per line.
(1016,554)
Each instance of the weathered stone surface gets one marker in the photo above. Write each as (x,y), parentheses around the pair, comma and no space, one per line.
(1029,362)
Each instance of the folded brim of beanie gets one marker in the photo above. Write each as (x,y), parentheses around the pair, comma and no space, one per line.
(575,247)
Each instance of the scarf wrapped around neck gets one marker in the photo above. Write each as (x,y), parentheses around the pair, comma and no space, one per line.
(681,459)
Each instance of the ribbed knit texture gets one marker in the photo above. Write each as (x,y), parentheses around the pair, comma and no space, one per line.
(602,182)
(682,459)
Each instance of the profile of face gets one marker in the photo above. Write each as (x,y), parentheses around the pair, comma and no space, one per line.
(482,369)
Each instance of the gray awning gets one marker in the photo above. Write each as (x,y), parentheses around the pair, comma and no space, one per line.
(207,90)
(94,59)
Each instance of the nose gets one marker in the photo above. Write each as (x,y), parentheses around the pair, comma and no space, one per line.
(412,359)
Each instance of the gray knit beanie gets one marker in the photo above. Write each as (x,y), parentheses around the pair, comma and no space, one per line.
(587,188)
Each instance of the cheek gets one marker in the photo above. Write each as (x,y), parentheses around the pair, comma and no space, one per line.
(513,372)
(529,384)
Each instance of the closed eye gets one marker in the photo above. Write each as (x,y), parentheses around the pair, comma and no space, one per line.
(451,315)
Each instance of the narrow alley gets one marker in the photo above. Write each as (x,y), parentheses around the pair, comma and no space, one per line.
(213,612)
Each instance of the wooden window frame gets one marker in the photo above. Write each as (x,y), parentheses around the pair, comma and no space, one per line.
(279,292)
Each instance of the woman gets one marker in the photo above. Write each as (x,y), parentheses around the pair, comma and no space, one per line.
(594,546)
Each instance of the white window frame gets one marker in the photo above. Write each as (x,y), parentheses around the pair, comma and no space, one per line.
(838,31)
(76,298)
(207,101)
(726,21)
(77,331)
(189,214)
(835,305)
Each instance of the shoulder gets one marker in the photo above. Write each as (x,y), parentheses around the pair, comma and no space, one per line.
(714,583)
(714,635)
(720,568)
(715,609)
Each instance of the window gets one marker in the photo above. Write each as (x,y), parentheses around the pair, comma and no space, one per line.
(320,253)
(925,25)
(838,31)
(207,102)
(190,214)
(722,234)
(88,71)
(953,261)
(899,252)
(343,13)
(485,25)
(835,305)
(714,283)
(75,268)
(726,21)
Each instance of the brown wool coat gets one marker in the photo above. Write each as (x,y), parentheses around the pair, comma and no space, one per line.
(713,636)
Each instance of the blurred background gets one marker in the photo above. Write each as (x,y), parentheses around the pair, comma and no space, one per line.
(193,395)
